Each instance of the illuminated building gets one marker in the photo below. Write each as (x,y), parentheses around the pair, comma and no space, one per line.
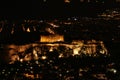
(90,48)
(52,38)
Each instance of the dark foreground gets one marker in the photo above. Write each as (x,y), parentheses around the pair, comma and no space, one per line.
(72,68)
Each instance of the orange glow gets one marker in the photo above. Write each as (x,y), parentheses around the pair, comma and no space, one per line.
(28,29)
(68,23)
(28,57)
(22,48)
(35,54)
(67,1)
(61,55)
(76,51)
(52,38)
(29,75)
(100,76)
(0,29)
(89,48)
(53,25)
(50,30)
(44,57)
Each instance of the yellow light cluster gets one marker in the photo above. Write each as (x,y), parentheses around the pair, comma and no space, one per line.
(52,38)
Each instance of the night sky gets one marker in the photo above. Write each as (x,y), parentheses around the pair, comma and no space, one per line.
(39,8)
(35,8)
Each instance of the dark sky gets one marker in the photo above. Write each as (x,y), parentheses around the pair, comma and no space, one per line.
(17,8)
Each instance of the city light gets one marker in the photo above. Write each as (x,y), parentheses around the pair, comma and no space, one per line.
(51,38)
(71,48)
(44,57)
(67,1)
(28,29)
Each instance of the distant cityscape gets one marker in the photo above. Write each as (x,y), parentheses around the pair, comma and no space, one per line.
(60,40)
(69,48)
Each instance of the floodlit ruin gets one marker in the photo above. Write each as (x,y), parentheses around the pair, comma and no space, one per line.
(35,51)
(51,38)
